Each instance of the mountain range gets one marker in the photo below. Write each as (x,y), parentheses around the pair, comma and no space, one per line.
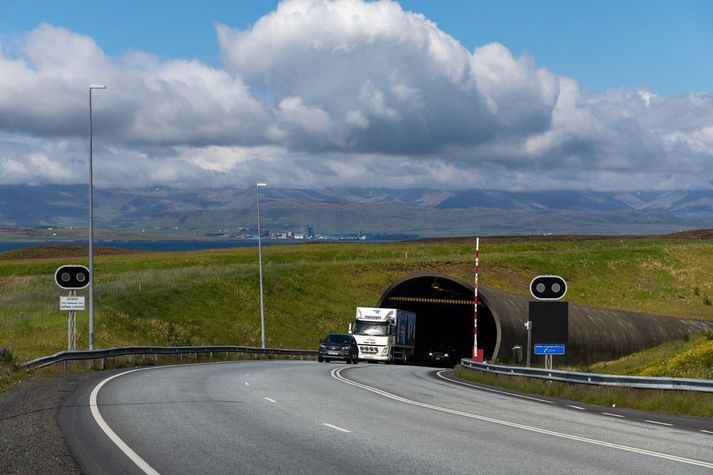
(426,212)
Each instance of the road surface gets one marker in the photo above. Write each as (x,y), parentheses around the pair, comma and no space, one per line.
(306,417)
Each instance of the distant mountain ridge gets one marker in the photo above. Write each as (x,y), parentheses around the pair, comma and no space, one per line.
(427,212)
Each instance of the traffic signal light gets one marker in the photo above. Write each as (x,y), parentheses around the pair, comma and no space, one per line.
(548,287)
(72,277)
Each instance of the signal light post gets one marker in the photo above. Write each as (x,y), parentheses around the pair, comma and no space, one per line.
(548,320)
(72,278)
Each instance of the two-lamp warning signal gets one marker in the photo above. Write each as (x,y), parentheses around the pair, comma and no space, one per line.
(548,287)
(72,277)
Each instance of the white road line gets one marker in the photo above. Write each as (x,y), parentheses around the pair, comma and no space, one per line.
(247,384)
(133,456)
(440,375)
(336,374)
(706,431)
(335,427)
(613,415)
(271,400)
(658,423)
(576,407)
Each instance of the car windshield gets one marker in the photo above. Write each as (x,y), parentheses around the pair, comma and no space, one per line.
(338,339)
(371,328)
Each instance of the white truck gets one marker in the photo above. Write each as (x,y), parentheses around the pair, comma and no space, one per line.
(384,334)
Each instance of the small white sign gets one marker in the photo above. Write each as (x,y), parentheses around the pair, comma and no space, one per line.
(71,304)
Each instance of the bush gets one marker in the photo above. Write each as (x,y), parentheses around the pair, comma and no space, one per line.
(6,355)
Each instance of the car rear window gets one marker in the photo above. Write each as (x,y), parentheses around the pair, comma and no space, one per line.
(339,339)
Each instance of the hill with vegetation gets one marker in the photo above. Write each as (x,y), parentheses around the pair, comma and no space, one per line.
(212,297)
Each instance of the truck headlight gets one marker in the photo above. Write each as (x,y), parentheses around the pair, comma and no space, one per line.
(385,350)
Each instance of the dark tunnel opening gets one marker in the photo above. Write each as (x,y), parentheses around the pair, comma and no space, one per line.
(444,316)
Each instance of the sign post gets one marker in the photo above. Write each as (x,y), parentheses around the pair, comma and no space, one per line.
(71,278)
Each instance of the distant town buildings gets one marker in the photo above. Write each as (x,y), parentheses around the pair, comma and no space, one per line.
(306,232)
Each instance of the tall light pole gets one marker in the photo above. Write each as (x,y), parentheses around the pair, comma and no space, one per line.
(91,220)
(259,251)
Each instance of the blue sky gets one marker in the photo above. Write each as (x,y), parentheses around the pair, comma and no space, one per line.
(516,95)
(665,45)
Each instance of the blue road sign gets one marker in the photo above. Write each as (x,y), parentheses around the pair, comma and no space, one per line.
(549,349)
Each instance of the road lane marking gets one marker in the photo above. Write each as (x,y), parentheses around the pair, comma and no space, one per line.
(613,415)
(247,384)
(133,456)
(706,431)
(440,375)
(335,427)
(336,374)
(577,407)
(659,423)
(271,400)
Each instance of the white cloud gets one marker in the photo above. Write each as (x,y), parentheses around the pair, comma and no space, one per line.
(346,92)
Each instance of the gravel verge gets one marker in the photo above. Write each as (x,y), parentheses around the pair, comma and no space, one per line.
(30,440)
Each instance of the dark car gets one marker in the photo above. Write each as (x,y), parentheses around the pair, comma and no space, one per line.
(338,346)
(441,355)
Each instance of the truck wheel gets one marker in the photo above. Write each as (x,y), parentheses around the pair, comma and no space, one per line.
(320,359)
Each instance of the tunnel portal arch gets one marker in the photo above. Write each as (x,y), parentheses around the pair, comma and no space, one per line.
(444,314)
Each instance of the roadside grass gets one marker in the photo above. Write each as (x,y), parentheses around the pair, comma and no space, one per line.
(683,403)
(690,357)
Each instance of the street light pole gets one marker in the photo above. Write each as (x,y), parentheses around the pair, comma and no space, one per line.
(91,220)
(259,250)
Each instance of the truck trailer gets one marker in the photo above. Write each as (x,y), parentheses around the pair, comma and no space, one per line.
(384,334)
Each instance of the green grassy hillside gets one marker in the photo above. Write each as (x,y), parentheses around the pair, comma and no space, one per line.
(690,357)
(212,297)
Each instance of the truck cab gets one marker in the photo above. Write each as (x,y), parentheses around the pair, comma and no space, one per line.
(384,334)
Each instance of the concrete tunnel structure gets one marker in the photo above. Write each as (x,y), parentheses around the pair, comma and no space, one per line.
(444,313)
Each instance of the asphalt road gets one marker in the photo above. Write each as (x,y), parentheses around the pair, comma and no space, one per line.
(306,417)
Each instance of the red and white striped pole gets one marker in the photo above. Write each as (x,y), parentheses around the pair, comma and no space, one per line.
(477,354)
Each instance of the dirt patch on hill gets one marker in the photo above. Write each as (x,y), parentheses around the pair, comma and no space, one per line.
(48,252)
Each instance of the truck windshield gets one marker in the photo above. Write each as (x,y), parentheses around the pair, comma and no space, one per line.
(371,328)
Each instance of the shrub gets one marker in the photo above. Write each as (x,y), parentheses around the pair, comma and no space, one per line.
(6,355)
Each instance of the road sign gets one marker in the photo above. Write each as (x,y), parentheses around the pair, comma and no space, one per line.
(71,303)
(548,287)
(549,349)
(72,277)
(550,322)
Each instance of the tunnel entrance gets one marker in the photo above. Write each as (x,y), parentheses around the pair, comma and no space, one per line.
(444,315)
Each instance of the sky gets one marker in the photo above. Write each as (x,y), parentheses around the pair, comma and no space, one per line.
(518,95)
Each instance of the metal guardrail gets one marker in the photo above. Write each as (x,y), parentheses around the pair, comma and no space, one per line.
(645,382)
(156,350)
